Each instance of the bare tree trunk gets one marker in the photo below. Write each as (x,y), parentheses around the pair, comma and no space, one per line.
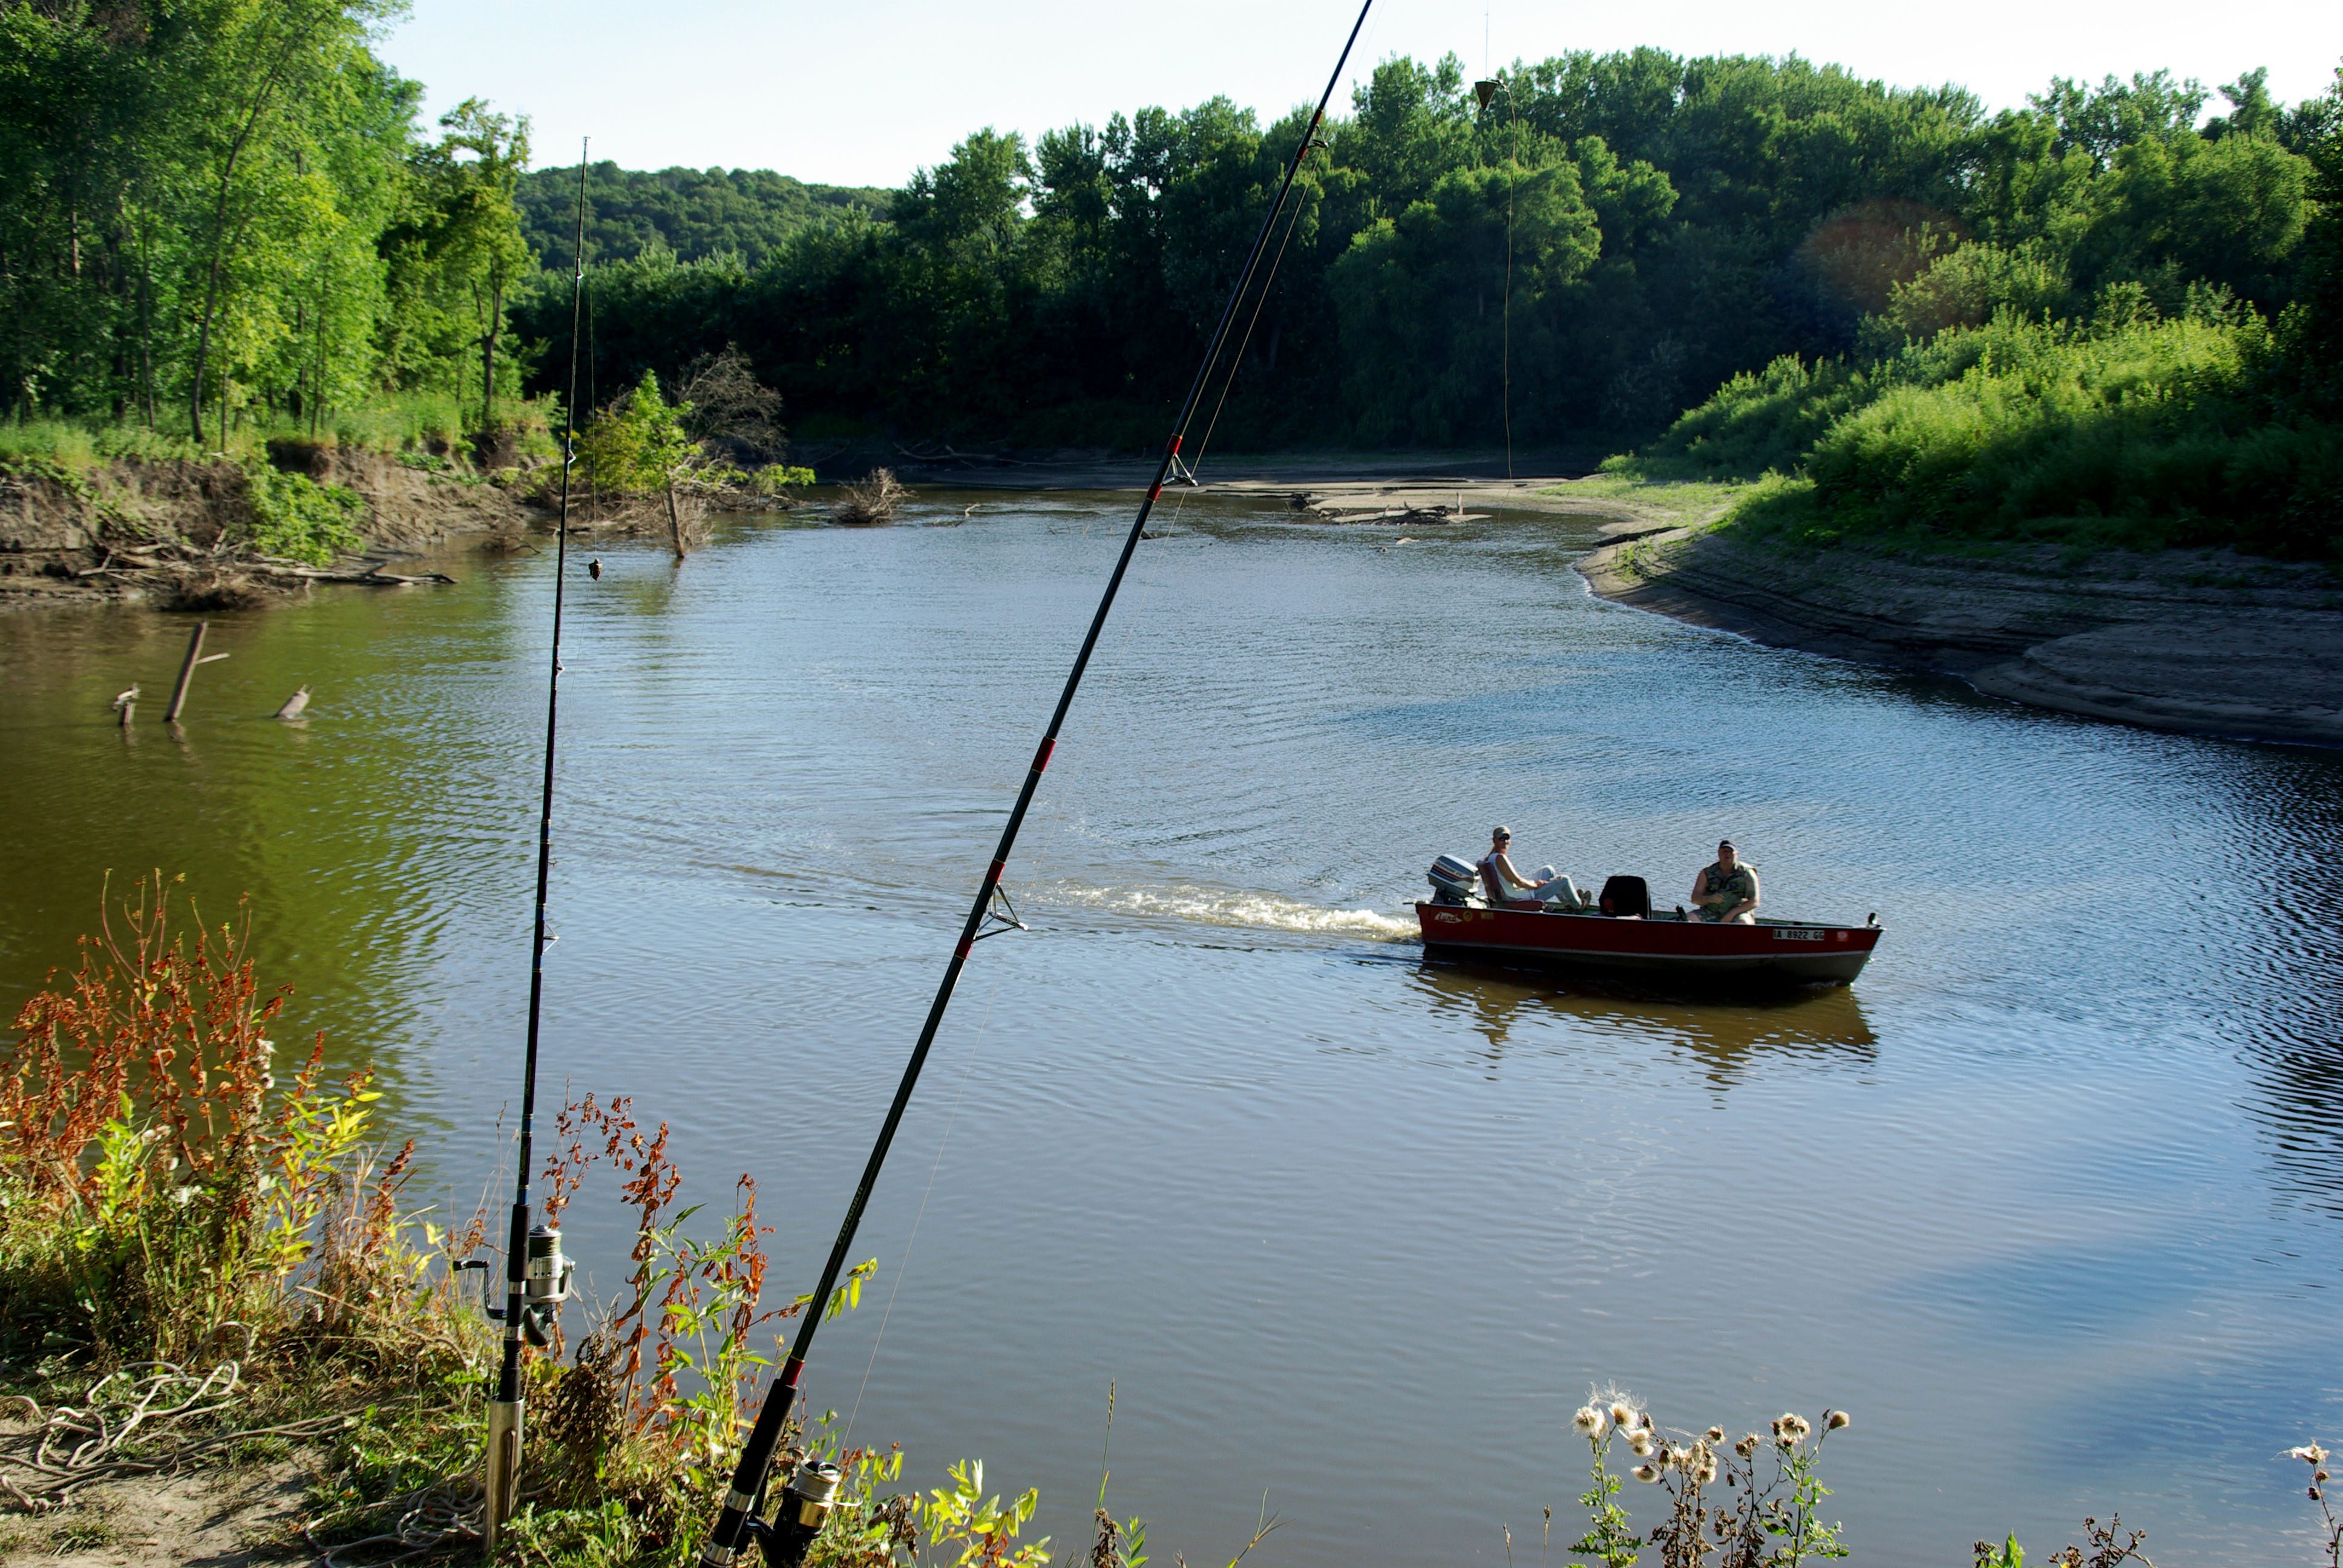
(674,520)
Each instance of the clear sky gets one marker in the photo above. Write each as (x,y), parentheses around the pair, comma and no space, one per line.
(860,92)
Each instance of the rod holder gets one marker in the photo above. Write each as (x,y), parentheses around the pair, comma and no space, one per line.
(504,1471)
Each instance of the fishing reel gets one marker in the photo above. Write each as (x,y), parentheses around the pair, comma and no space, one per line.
(805,1504)
(545,1285)
(544,1282)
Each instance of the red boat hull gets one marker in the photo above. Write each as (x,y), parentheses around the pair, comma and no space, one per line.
(1694,952)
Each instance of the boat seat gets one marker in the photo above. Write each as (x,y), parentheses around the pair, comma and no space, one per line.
(1626,895)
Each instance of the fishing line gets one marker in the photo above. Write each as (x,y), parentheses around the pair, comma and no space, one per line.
(911,1241)
(1513,168)
(1237,364)
(811,1489)
(1180,506)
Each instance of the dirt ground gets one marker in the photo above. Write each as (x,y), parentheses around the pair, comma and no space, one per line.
(207,1519)
(2201,641)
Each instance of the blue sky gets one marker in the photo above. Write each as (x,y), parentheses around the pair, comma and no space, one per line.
(860,92)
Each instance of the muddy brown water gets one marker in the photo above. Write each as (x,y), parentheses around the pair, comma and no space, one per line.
(2051,1199)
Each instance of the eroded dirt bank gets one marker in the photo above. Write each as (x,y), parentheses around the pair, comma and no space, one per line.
(2200,641)
(167,532)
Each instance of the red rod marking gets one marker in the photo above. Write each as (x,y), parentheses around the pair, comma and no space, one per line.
(1042,757)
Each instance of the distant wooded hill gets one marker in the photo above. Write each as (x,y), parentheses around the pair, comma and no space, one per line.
(695,212)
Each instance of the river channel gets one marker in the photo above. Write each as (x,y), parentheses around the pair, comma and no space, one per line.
(2052,1199)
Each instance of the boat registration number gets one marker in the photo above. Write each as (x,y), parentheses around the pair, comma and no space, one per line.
(1797,934)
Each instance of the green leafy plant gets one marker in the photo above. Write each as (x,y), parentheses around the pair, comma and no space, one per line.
(295,517)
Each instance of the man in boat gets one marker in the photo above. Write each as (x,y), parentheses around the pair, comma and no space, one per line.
(1726,891)
(1504,885)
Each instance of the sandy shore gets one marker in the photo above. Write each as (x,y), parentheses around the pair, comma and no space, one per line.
(2200,641)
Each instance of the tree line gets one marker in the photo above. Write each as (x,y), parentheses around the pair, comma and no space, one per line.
(1594,248)
(227,211)
(694,213)
(224,211)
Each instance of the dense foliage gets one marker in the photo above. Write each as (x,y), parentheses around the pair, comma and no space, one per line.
(1625,231)
(224,211)
(2030,388)
(694,213)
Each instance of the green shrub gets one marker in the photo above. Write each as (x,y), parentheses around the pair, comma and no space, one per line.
(2111,427)
(295,517)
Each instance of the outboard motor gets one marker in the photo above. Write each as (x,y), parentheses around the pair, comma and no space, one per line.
(1453,881)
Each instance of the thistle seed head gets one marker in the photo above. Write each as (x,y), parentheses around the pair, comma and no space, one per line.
(2310,1453)
(1834,1418)
(1622,1414)
(1590,1421)
(1640,1444)
(1746,1446)
(1645,1473)
(1715,1434)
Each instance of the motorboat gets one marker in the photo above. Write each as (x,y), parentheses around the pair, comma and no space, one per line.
(1617,933)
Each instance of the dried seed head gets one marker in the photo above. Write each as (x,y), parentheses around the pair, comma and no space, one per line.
(2310,1453)
(1644,1418)
(1706,1473)
(1679,1457)
(1715,1434)
(1835,1419)
(1746,1446)
(1793,1426)
(1590,1421)
(1640,1444)
(1645,1473)
(1622,1414)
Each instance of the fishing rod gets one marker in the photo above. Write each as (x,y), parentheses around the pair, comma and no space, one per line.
(536,1276)
(810,1491)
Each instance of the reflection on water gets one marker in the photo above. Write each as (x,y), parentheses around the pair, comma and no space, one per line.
(2057,1179)
(1723,1037)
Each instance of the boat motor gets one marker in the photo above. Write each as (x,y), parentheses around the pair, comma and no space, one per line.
(1453,880)
(805,1507)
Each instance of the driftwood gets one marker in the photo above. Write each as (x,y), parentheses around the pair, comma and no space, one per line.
(870,499)
(294,705)
(372,576)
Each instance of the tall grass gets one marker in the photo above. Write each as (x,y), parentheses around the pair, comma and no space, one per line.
(386,423)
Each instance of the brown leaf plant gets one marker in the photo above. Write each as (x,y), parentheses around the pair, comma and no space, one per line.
(159,1185)
(653,1405)
(1767,1514)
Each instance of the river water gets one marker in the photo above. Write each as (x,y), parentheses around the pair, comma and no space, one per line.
(2050,1200)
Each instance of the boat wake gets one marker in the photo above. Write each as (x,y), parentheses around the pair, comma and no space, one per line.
(1225,907)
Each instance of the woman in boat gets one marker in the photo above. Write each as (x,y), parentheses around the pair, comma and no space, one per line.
(1504,885)
(1725,893)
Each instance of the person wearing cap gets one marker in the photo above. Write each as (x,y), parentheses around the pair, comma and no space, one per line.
(1504,885)
(1726,892)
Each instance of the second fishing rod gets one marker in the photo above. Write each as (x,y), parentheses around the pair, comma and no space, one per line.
(809,1494)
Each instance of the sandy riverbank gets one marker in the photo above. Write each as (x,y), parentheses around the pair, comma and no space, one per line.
(2200,641)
